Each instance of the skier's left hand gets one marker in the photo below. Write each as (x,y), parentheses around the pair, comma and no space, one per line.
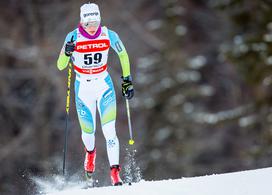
(127,87)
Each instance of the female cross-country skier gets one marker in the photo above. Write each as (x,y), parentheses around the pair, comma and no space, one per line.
(88,46)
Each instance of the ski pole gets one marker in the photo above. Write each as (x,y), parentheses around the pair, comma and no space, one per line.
(69,75)
(131,141)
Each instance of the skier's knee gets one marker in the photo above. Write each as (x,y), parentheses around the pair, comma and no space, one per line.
(109,130)
(89,130)
(87,125)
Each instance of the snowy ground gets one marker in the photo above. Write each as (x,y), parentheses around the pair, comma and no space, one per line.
(254,182)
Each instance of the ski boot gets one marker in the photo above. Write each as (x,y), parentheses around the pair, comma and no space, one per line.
(89,163)
(115,178)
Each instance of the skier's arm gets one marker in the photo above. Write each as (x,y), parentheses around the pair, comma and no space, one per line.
(120,49)
(64,59)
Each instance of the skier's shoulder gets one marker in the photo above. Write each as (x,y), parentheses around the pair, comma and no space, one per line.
(71,34)
(105,29)
(112,34)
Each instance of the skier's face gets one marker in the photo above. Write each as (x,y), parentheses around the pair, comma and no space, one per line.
(91,27)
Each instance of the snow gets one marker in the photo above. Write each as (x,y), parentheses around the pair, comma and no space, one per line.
(186,76)
(154,24)
(213,118)
(181,30)
(247,120)
(251,182)
(197,62)
(269,59)
(268,37)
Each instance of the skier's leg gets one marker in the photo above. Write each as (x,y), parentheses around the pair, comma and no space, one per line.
(107,110)
(113,151)
(86,111)
(112,142)
(86,116)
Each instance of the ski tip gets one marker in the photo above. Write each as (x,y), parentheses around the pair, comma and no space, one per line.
(88,175)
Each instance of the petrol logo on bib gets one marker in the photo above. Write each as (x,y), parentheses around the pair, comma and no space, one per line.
(92,46)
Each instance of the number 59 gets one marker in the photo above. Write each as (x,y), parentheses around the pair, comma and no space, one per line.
(90,59)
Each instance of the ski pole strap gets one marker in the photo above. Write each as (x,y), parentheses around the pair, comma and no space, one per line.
(68,87)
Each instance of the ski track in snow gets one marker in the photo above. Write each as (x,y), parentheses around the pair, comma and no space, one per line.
(252,182)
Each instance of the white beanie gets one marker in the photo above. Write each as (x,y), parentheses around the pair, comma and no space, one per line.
(89,12)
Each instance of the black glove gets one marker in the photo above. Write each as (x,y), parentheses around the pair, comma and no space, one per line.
(127,87)
(69,47)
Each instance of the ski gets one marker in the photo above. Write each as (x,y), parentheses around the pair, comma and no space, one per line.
(89,179)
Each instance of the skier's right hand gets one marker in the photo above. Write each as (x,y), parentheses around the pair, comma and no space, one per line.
(70,47)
